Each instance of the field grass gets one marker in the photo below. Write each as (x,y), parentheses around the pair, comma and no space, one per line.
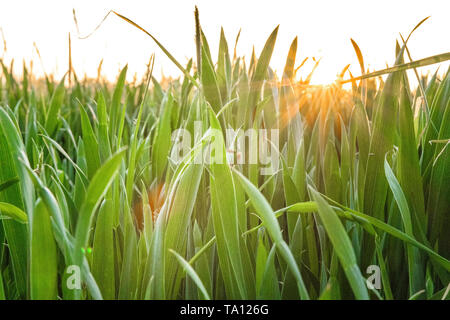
(89,179)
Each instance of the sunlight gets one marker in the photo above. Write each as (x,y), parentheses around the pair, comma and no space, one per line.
(116,43)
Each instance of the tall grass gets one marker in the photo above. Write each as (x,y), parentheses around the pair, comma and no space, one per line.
(88,178)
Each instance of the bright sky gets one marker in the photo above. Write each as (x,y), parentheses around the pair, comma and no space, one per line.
(324,29)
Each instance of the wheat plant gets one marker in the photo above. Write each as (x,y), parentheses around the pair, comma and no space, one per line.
(91,185)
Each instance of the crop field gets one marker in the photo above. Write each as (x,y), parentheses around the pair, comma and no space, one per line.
(228,182)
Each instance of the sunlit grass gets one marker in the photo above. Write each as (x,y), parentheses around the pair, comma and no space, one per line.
(88,179)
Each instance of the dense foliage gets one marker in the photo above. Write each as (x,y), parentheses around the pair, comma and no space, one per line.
(88,178)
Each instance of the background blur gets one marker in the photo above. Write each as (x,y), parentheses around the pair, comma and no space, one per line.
(324,29)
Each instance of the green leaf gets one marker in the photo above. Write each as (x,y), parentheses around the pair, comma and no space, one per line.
(115,105)
(162,140)
(43,256)
(416,276)
(267,215)
(103,251)
(94,194)
(56,103)
(342,246)
(210,85)
(225,216)
(20,195)
(7,184)
(261,70)
(13,212)
(90,143)
(191,272)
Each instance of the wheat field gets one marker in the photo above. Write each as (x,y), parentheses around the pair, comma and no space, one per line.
(352,200)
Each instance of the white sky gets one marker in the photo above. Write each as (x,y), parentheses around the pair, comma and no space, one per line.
(323,27)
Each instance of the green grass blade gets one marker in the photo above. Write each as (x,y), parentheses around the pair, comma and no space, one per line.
(43,256)
(13,212)
(56,103)
(342,246)
(416,277)
(191,272)
(7,184)
(267,215)
(95,192)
